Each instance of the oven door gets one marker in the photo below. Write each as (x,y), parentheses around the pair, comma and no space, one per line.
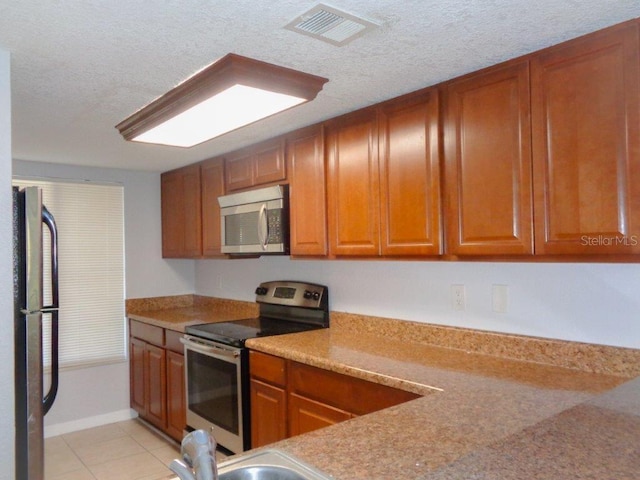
(216,386)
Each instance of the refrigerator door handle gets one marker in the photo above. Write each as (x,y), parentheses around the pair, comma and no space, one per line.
(50,397)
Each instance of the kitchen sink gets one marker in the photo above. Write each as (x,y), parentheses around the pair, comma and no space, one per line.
(268,465)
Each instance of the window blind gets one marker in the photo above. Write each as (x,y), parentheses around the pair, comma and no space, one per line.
(90,219)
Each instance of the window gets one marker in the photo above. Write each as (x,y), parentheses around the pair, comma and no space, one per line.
(90,223)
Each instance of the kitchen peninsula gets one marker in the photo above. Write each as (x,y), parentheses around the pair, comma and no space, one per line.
(553,410)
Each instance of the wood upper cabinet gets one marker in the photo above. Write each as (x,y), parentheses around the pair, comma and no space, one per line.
(259,164)
(212,172)
(307,188)
(383,179)
(410,176)
(353,189)
(488,162)
(586,144)
(181,213)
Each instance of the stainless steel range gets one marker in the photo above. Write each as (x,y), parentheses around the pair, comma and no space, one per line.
(217,362)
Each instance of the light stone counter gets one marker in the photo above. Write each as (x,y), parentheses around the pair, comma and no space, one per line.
(494,407)
(485,417)
(178,312)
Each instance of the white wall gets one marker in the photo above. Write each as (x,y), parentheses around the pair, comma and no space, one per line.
(595,303)
(98,395)
(147,274)
(7,415)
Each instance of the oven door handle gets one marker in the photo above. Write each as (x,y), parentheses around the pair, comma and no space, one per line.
(211,350)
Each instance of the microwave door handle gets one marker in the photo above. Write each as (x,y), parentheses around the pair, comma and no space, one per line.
(263,227)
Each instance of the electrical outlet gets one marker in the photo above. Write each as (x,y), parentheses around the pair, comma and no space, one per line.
(457,297)
(499,298)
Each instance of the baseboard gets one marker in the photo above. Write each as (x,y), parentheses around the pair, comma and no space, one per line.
(89,422)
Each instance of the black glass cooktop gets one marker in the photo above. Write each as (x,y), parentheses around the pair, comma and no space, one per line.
(237,331)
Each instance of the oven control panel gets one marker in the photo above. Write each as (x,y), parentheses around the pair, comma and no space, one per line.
(293,294)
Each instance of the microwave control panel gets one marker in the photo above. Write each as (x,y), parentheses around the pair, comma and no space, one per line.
(274,223)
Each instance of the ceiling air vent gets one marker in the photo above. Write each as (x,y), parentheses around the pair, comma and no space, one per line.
(330,25)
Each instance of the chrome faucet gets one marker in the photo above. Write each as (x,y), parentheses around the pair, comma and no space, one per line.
(198,462)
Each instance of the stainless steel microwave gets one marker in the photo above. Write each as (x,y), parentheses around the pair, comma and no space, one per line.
(255,221)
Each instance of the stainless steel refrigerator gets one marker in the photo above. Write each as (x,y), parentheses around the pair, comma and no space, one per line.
(31,403)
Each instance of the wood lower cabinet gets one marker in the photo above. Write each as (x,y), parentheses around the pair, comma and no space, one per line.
(307,189)
(268,413)
(148,382)
(268,380)
(137,375)
(157,381)
(289,398)
(586,143)
(181,213)
(156,385)
(306,415)
(176,395)
(351,394)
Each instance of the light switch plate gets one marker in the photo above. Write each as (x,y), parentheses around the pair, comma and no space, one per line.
(499,298)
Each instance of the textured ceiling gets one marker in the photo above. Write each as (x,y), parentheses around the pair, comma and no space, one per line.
(81,66)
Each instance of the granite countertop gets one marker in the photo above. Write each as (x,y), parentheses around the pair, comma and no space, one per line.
(481,416)
(176,313)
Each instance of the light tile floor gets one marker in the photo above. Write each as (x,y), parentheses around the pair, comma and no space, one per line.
(127,450)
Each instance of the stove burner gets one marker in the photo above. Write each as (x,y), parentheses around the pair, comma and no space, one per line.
(237,331)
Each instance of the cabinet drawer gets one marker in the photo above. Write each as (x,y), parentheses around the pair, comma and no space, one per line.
(342,391)
(172,341)
(268,368)
(146,332)
(308,415)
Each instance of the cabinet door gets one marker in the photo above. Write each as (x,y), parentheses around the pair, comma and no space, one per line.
(488,163)
(181,213)
(306,415)
(269,164)
(307,186)
(256,165)
(176,397)
(586,139)
(353,185)
(410,177)
(137,380)
(156,385)
(239,172)
(268,414)
(212,188)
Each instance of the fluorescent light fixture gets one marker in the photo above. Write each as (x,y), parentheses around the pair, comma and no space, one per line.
(230,93)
